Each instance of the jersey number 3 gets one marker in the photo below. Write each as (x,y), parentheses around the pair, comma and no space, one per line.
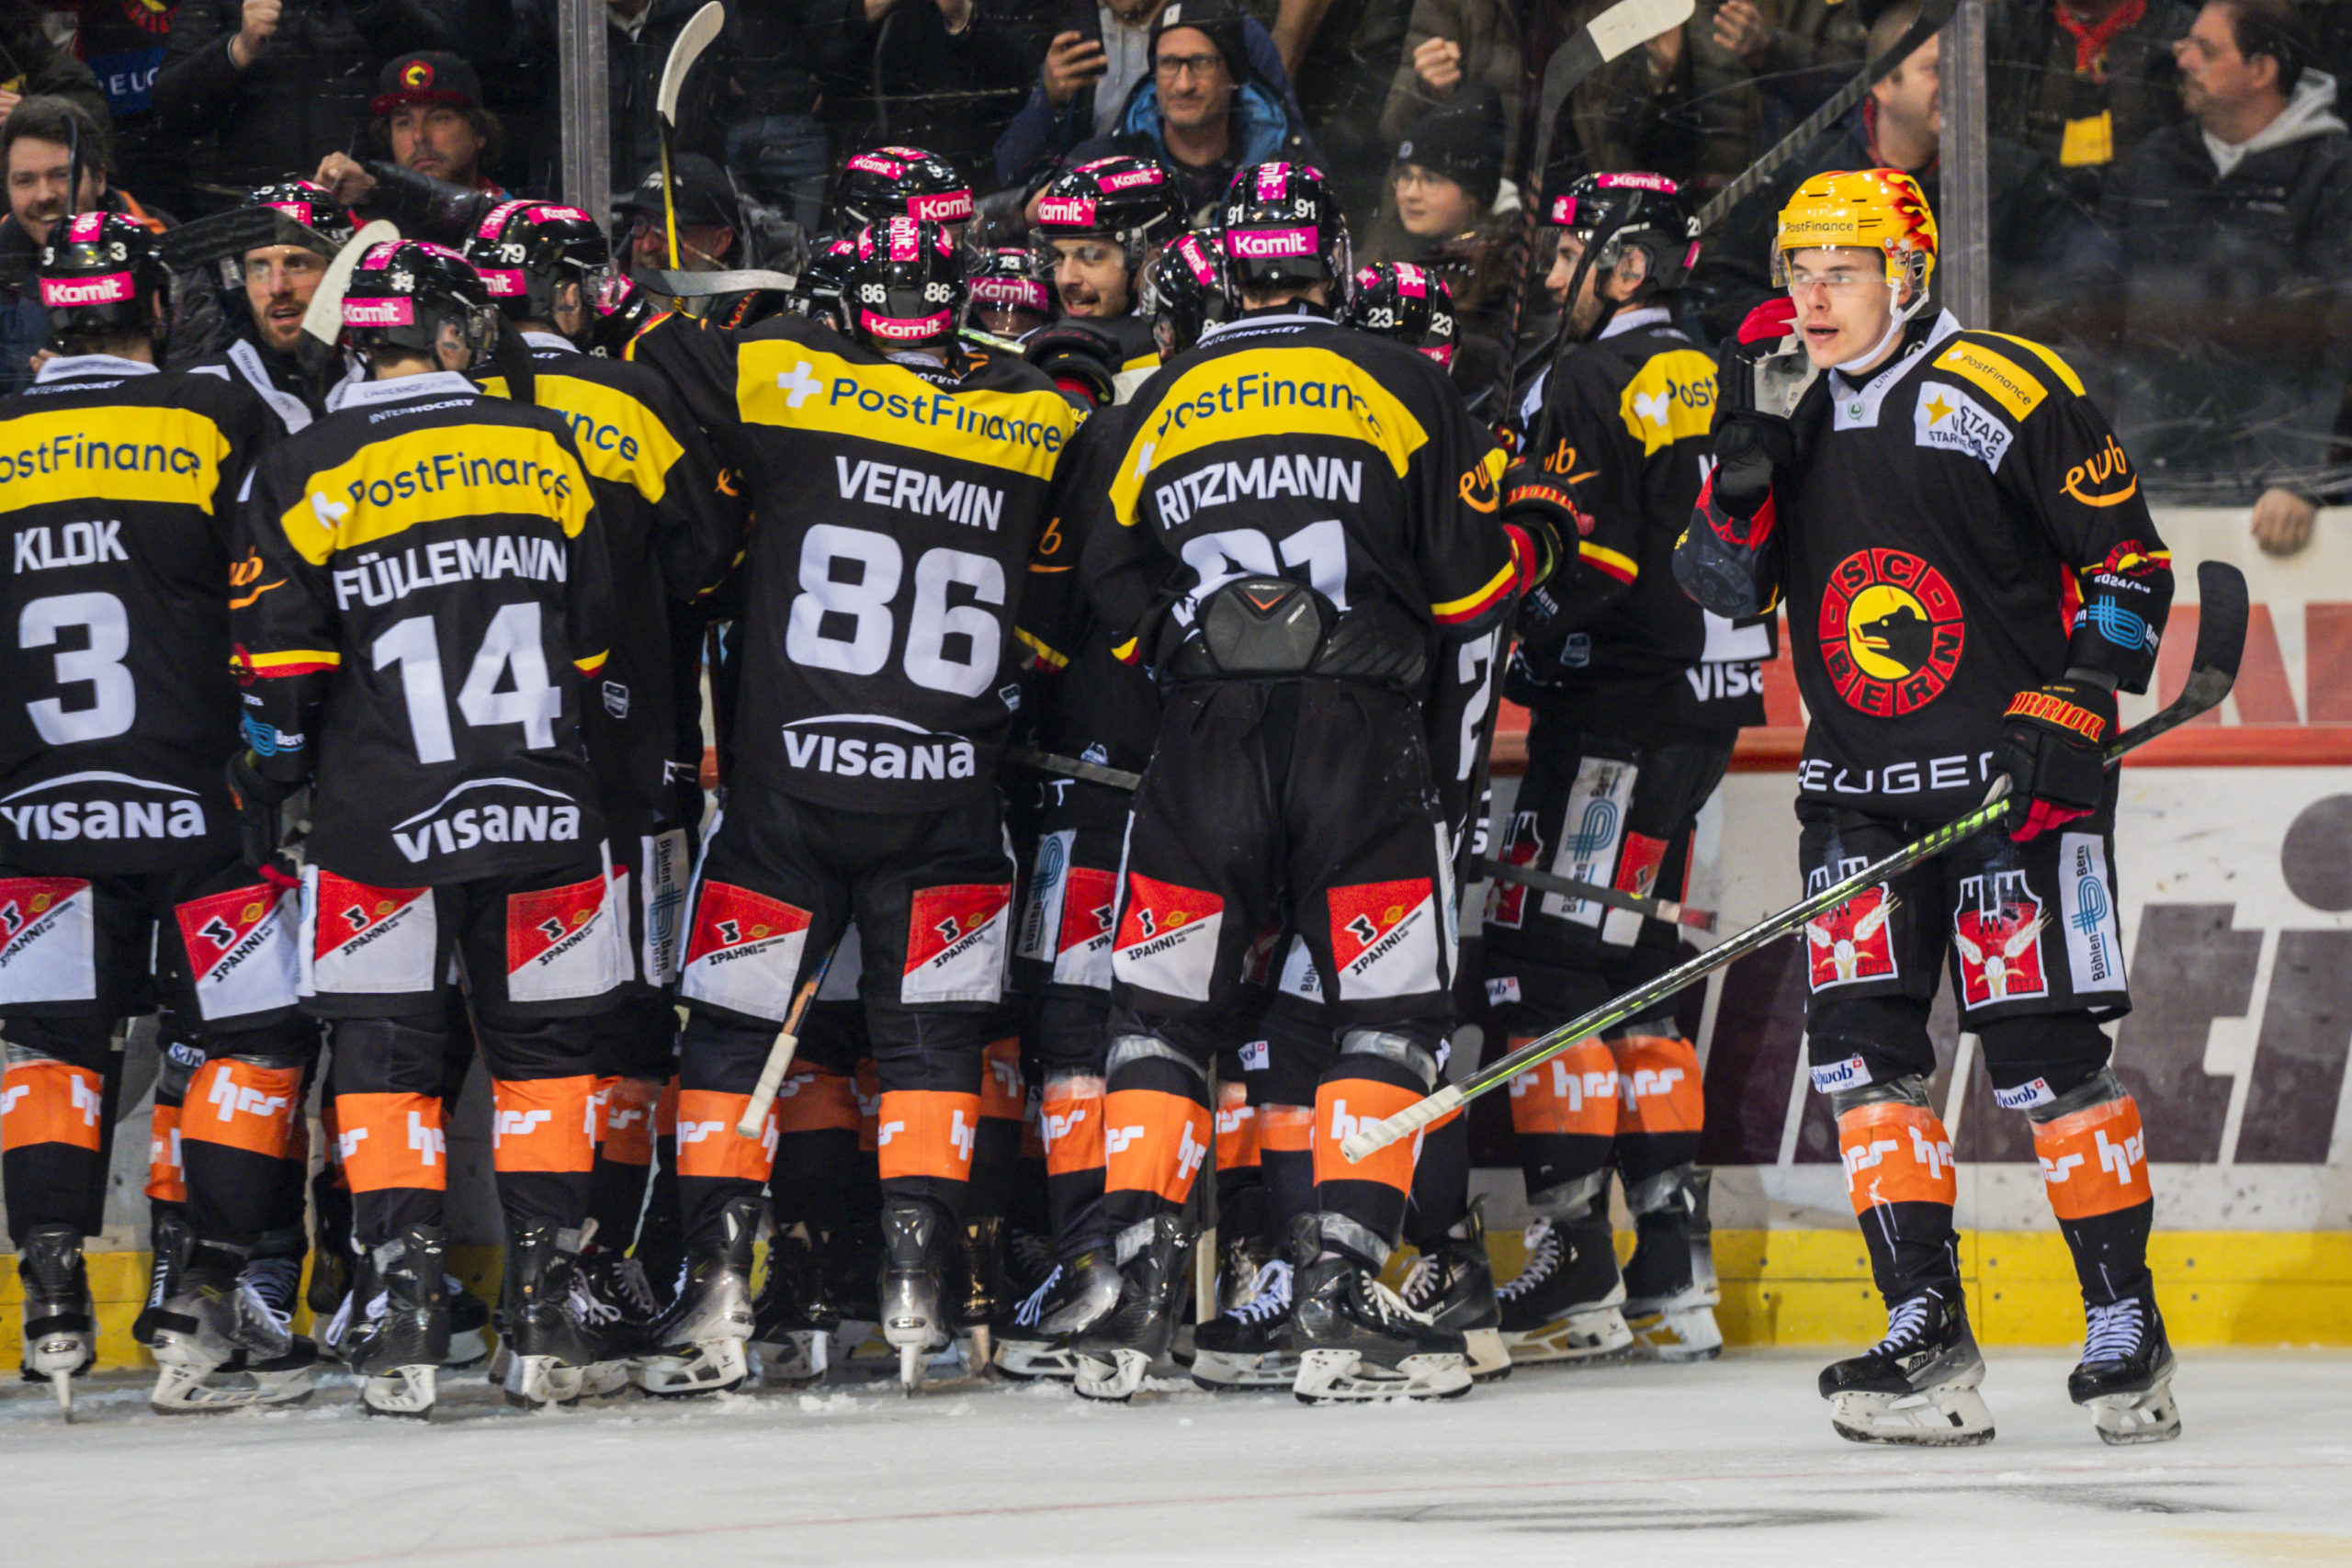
(99,664)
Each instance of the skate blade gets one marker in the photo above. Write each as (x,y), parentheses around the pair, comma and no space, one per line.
(2122,1419)
(184,1391)
(977,1346)
(1222,1371)
(793,1361)
(534,1382)
(60,1385)
(1036,1359)
(404,1392)
(1113,1380)
(717,1366)
(1683,1334)
(1489,1358)
(188,1349)
(1942,1418)
(1581,1337)
(1334,1377)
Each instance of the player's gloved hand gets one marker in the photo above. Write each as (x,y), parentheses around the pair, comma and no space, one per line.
(1081,359)
(2054,747)
(1751,447)
(1761,333)
(258,798)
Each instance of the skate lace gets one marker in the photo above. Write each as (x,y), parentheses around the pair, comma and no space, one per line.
(1387,1304)
(1269,1298)
(587,1306)
(340,1324)
(1032,1309)
(1542,1261)
(1425,1283)
(629,1284)
(1906,1325)
(2114,1333)
(269,1281)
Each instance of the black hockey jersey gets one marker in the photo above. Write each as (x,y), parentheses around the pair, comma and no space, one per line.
(1625,651)
(894,514)
(1966,527)
(671,534)
(116,489)
(430,589)
(1288,445)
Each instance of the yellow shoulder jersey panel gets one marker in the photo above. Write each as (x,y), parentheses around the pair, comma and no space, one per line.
(428,475)
(619,438)
(2003,380)
(780,382)
(2058,367)
(143,454)
(1242,397)
(1671,398)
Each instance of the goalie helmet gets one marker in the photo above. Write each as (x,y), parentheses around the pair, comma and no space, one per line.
(1409,303)
(1008,293)
(884,183)
(1131,201)
(404,291)
(310,204)
(100,273)
(1881,210)
(525,251)
(1613,212)
(1283,226)
(906,288)
(1183,292)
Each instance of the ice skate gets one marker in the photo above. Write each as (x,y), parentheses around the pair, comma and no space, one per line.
(1452,1285)
(1565,1305)
(846,1301)
(1357,1342)
(1670,1291)
(171,1239)
(787,1338)
(553,1351)
(1248,1344)
(699,1345)
(1117,1352)
(224,1340)
(1043,1339)
(980,1272)
(472,1339)
(614,1303)
(916,1250)
(60,1324)
(398,1333)
(1917,1385)
(2125,1375)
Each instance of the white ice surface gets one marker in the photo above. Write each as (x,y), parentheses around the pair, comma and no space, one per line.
(1728,1464)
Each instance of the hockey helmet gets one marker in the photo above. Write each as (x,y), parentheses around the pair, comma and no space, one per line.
(821,291)
(1282,225)
(1882,210)
(1614,211)
(310,204)
(1008,292)
(1131,201)
(404,291)
(525,251)
(618,312)
(899,181)
(1409,303)
(101,274)
(1183,292)
(907,286)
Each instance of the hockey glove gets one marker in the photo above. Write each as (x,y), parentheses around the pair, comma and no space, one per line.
(1082,360)
(2054,747)
(258,798)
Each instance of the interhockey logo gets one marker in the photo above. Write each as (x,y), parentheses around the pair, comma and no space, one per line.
(1572,1089)
(429,1144)
(1643,1083)
(1891,632)
(1055,1126)
(1998,931)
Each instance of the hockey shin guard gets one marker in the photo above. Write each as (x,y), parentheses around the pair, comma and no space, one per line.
(53,1135)
(624,1163)
(1661,1105)
(1156,1129)
(1240,1164)
(1362,1206)
(719,1065)
(817,1158)
(178,1058)
(1565,1114)
(542,1148)
(1441,1183)
(1899,1174)
(2095,1167)
(1286,1153)
(995,1150)
(239,1140)
(1071,1121)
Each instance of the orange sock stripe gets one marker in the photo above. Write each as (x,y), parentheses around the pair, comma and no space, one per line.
(927,1132)
(166,1178)
(817,1099)
(1657,1085)
(1072,1130)
(391,1140)
(1285,1129)
(50,1102)
(2095,1161)
(240,1106)
(544,1124)
(1236,1128)
(1896,1153)
(1153,1141)
(1344,1105)
(1575,1092)
(1002,1094)
(625,1132)
(709,1144)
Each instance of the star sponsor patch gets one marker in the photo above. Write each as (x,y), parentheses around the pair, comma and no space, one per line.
(1949,420)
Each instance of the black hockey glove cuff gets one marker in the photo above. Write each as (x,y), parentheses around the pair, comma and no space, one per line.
(1082,360)
(2054,747)
(258,798)
(1730,565)
(1751,449)
(2126,598)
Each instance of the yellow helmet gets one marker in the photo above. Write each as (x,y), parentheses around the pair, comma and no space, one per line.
(1880,208)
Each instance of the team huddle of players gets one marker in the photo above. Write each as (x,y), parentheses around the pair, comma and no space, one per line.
(1101,709)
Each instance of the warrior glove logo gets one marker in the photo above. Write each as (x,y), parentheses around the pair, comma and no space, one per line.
(1891,632)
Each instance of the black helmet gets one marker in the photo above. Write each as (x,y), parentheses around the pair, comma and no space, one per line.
(822,290)
(1183,292)
(1409,303)
(618,312)
(310,204)
(1008,279)
(899,181)
(1609,212)
(404,291)
(99,275)
(526,250)
(1282,225)
(907,286)
(1130,200)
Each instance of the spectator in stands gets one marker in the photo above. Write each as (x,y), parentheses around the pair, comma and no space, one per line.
(42,143)
(1201,113)
(33,65)
(946,75)
(1098,59)
(123,43)
(1685,105)
(429,117)
(1439,213)
(2084,82)
(1343,54)
(277,89)
(710,222)
(781,52)
(1799,53)
(1454,49)
(2237,339)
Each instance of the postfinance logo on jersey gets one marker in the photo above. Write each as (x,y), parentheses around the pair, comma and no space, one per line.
(116,454)
(1671,398)
(621,441)
(427,476)
(788,383)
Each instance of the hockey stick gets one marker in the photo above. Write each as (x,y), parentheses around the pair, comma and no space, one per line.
(323,321)
(700,32)
(738,280)
(788,1039)
(1622,27)
(2220,639)
(1933,14)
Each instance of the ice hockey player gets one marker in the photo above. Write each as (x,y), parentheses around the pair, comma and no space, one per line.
(883,182)
(121,880)
(1636,696)
(1094,228)
(1009,293)
(1297,511)
(673,532)
(899,486)
(277,282)
(1409,303)
(430,611)
(1970,575)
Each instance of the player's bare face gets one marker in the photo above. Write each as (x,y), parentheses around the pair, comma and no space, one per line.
(1844,307)
(1567,256)
(279,281)
(1091,276)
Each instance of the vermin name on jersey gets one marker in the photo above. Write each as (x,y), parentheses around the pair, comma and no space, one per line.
(493,823)
(386,579)
(911,489)
(1261,479)
(936,756)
